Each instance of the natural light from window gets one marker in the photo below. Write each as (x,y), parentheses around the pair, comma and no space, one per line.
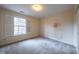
(19,26)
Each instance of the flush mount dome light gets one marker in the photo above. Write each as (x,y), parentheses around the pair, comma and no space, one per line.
(37,7)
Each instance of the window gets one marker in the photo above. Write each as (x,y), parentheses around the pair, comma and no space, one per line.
(19,26)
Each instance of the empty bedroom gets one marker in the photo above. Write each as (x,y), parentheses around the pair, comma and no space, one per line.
(39,29)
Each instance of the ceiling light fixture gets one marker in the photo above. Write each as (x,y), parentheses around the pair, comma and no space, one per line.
(37,7)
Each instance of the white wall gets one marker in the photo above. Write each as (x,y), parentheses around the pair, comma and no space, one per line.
(64,31)
(6,27)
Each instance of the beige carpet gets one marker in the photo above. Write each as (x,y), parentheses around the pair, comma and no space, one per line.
(38,46)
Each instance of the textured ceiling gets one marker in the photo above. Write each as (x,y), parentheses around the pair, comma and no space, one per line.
(48,9)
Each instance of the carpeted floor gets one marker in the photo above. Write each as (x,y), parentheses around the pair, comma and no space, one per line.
(38,46)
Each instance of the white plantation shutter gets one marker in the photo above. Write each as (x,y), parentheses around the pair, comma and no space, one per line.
(8,25)
(19,26)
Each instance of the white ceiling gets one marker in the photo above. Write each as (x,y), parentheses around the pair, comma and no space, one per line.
(48,9)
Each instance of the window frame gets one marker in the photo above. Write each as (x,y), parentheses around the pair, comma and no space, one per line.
(19,23)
